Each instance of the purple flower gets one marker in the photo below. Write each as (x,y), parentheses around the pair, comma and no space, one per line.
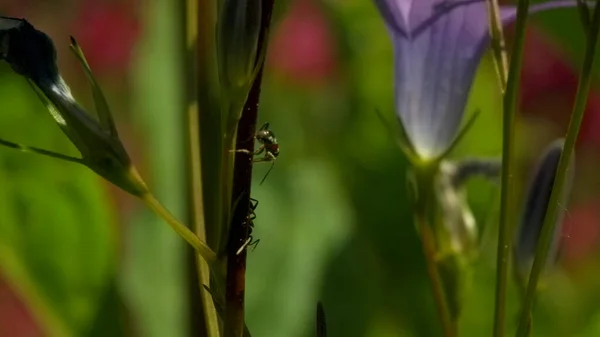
(438,45)
(536,202)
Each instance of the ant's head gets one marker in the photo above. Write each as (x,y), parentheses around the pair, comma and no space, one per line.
(266,136)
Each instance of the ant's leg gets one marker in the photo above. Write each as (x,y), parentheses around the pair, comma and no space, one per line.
(242,151)
(267,157)
(253,204)
(260,150)
(244,245)
(254,244)
(252,214)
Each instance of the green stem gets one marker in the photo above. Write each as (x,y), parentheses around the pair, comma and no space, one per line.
(545,238)
(498,44)
(199,223)
(504,230)
(201,248)
(195,73)
(424,188)
(429,251)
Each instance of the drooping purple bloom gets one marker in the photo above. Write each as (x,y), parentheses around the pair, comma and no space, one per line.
(438,45)
(534,208)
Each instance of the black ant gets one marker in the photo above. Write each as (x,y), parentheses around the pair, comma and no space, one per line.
(268,146)
(250,242)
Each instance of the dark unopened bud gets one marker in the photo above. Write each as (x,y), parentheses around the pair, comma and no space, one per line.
(29,51)
(536,203)
(238,30)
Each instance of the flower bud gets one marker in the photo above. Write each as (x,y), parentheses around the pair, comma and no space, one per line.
(29,51)
(238,31)
(536,203)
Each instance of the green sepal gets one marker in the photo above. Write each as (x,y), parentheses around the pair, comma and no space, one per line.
(102,108)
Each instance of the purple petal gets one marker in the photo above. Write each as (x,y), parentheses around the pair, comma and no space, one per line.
(438,45)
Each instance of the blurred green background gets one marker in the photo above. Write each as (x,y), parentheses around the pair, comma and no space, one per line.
(80,258)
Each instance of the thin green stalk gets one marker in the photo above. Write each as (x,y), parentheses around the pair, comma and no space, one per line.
(424,191)
(201,248)
(193,43)
(498,43)
(585,80)
(428,244)
(210,313)
(504,229)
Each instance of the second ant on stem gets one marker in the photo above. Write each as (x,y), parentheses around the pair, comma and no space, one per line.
(250,242)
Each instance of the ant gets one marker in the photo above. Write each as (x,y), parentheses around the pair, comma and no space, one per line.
(250,242)
(268,146)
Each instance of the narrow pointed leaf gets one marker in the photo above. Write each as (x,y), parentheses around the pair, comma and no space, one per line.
(32,149)
(102,108)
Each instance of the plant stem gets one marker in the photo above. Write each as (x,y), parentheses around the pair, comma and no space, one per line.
(201,248)
(196,34)
(425,175)
(498,43)
(545,237)
(234,324)
(504,228)
(197,200)
(429,251)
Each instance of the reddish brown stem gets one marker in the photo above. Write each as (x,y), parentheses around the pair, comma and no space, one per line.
(242,181)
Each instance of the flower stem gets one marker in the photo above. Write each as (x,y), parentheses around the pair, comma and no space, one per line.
(545,237)
(234,322)
(498,43)
(428,243)
(424,178)
(504,228)
(201,248)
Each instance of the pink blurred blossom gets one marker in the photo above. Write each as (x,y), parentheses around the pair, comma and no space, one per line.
(580,231)
(15,319)
(549,85)
(302,47)
(107,31)
(548,88)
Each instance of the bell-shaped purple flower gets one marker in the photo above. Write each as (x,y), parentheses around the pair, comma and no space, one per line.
(438,45)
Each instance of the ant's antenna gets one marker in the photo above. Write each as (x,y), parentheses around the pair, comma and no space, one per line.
(269,171)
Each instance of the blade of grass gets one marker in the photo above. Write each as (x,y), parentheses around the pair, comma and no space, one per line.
(192,10)
(508,130)
(545,238)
